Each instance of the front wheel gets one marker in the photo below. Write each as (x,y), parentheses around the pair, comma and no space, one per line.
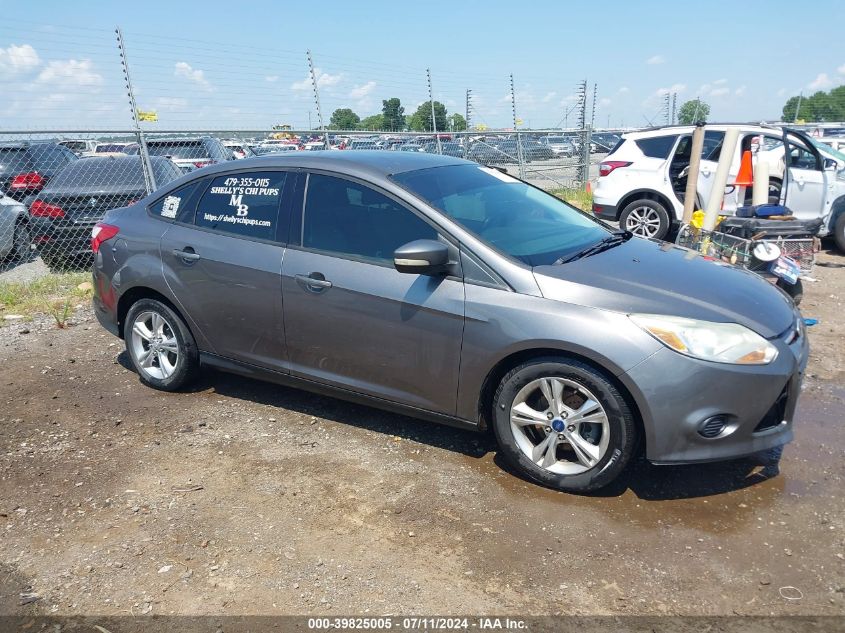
(839,232)
(160,345)
(563,424)
(645,218)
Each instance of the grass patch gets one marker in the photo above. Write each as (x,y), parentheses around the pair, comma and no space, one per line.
(55,294)
(579,198)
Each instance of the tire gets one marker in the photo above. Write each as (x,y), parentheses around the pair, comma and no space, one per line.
(22,251)
(839,232)
(57,263)
(796,290)
(163,351)
(645,218)
(606,441)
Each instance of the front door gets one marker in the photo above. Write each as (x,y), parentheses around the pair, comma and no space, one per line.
(223,264)
(806,189)
(351,319)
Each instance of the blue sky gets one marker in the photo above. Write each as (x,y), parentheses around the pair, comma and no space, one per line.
(243,65)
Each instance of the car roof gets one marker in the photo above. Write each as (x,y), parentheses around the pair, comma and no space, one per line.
(687,129)
(373,163)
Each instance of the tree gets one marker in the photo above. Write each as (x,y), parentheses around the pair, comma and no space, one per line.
(374,122)
(344,119)
(693,111)
(421,119)
(821,106)
(457,123)
(394,114)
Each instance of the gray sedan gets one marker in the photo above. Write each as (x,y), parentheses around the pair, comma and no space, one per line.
(452,292)
(15,237)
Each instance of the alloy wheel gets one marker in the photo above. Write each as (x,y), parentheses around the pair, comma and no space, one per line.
(154,345)
(560,425)
(643,221)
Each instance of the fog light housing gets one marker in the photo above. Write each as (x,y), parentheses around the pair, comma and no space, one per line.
(713,426)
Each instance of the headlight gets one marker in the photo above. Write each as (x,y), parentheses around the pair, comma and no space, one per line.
(717,342)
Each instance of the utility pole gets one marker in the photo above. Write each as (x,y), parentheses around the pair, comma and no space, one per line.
(667,110)
(674,107)
(584,166)
(146,166)
(317,101)
(798,107)
(468,107)
(593,113)
(433,119)
(519,156)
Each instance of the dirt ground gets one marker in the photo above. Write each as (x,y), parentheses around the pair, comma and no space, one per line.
(241,497)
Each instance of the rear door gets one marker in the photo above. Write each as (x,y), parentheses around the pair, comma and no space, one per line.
(351,319)
(222,261)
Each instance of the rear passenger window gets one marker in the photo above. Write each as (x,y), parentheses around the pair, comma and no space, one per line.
(657,146)
(172,206)
(346,218)
(243,204)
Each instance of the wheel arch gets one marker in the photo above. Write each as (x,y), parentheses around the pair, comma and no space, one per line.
(135,294)
(506,364)
(836,209)
(648,194)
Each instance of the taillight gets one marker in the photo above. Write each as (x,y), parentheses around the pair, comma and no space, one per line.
(41,209)
(607,167)
(32,181)
(202,163)
(102,232)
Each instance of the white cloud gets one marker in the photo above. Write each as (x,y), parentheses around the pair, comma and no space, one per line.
(740,91)
(324,80)
(624,89)
(359,92)
(719,82)
(18,59)
(673,88)
(781,92)
(717,92)
(605,102)
(841,69)
(185,71)
(70,73)
(821,82)
(655,59)
(271,78)
(171,104)
(549,96)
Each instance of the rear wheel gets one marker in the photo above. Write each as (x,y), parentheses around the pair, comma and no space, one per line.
(645,218)
(160,345)
(563,424)
(839,232)
(796,290)
(23,243)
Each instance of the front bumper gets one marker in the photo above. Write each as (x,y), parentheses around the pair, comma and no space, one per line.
(676,395)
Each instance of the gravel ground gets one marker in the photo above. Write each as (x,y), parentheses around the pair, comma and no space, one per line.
(240,497)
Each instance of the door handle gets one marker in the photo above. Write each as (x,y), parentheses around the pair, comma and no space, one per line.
(187,255)
(705,172)
(315,282)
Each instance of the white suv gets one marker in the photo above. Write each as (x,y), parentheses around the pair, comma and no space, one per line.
(641,183)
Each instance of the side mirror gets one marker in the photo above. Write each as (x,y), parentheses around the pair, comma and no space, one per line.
(422,257)
(830,164)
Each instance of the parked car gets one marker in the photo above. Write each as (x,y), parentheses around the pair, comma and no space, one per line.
(642,182)
(238,148)
(113,148)
(62,215)
(15,238)
(359,144)
(446,148)
(26,167)
(79,146)
(449,291)
(604,142)
(560,145)
(190,153)
(275,148)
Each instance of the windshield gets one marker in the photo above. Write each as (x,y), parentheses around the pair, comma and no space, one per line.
(513,217)
(828,150)
(178,149)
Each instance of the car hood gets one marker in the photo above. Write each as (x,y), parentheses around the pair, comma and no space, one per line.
(653,277)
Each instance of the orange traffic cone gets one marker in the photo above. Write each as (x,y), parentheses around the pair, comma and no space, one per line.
(589,187)
(745,177)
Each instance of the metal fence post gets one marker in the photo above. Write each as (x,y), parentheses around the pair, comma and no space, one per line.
(433,118)
(317,100)
(520,159)
(146,166)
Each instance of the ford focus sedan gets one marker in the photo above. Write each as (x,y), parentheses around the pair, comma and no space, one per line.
(452,292)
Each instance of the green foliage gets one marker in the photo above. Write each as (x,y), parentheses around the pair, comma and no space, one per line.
(374,122)
(344,119)
(693,111)
(821,106)
(421,119)
(394,114)
(457,122)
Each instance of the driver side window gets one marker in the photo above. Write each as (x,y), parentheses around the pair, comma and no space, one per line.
(348,219)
